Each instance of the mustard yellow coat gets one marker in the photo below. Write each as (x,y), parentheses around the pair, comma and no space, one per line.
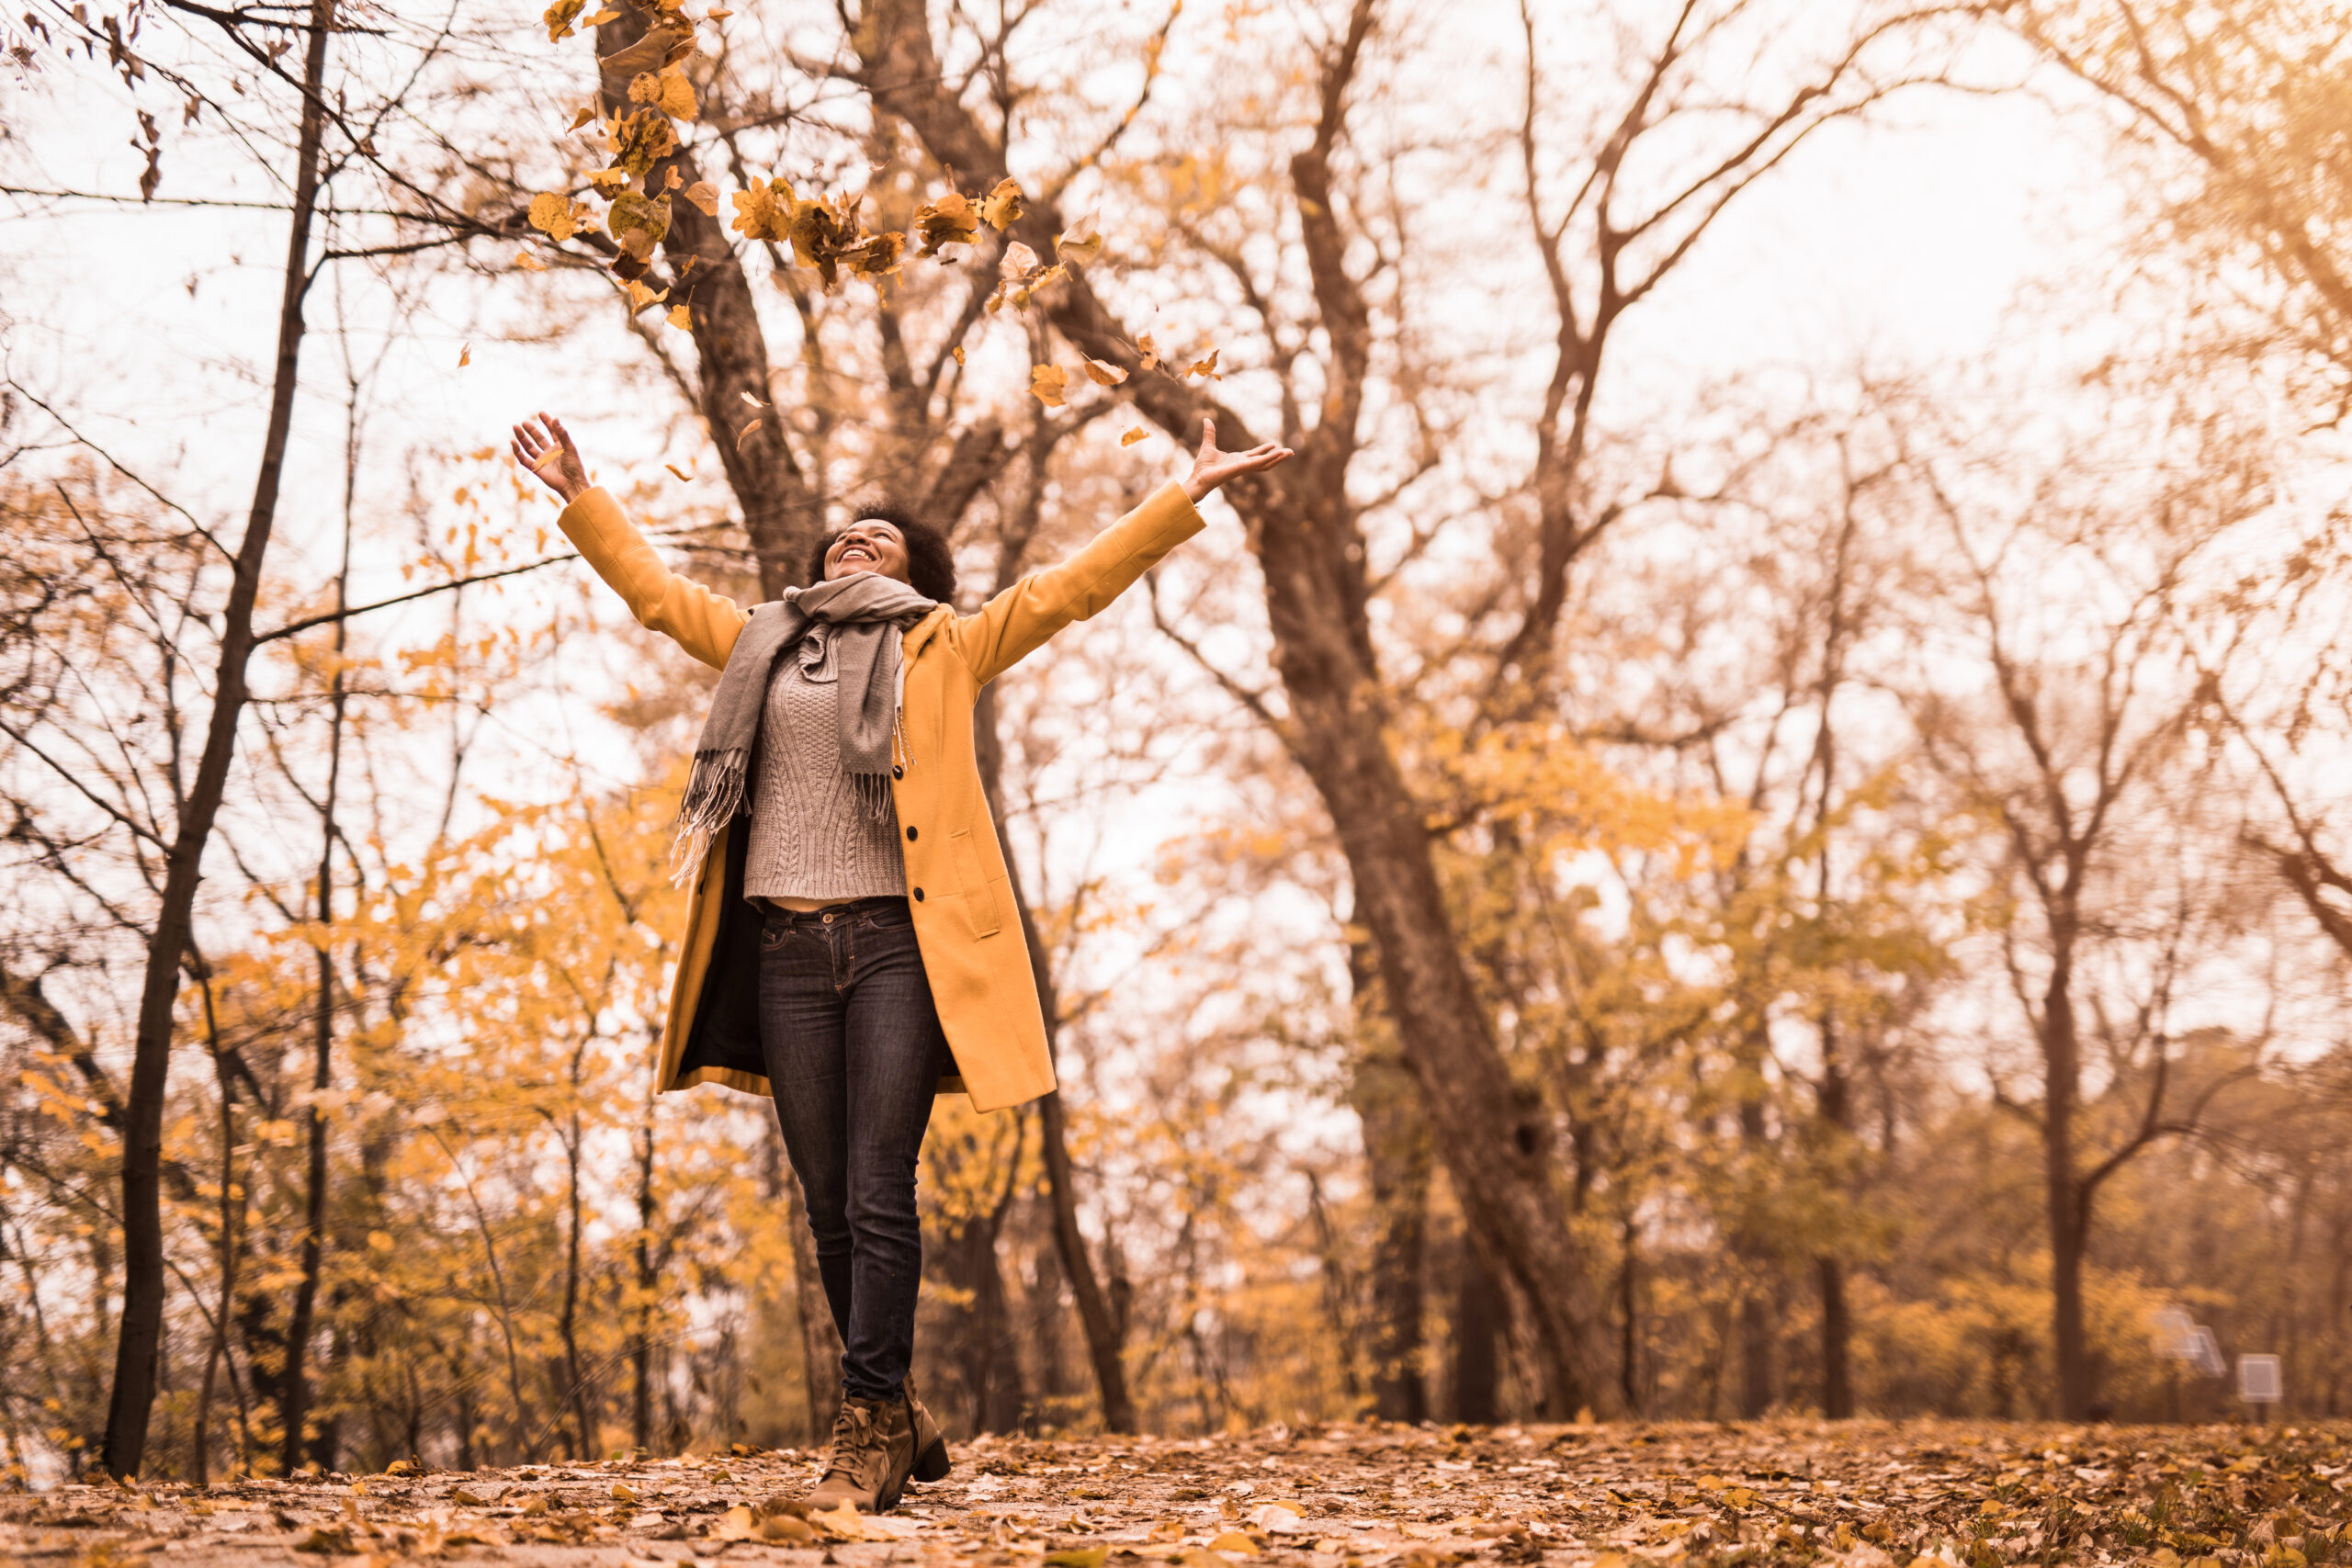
(962,900)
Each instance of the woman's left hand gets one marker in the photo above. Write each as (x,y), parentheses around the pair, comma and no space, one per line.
(1212,468)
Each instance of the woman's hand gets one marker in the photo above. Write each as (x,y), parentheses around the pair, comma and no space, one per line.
(553,457)
(1212,468)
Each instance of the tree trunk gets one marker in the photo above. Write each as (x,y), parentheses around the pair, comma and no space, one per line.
(1477,1329)
(1397,1160)
(1496,1142)
(1106,1333)
(2062,1076)
(1837,1328)
(139,1337)
(575,1373)
(640,1423)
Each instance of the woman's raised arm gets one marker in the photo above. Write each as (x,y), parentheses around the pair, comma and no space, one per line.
(701,622)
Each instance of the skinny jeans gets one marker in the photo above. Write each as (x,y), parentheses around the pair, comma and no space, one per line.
(854,1053)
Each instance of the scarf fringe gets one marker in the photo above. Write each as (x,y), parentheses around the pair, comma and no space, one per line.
(714,795)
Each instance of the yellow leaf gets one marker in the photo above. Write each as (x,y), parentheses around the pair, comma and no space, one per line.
(1132,437)
(714,15)
(950,220)
(1001,206)
(751,401)
(704,195)
(1151,353)
(1104,375)
(1236,1543)
(609,183)
(958,352)
(465,355)
(667,90)
(1078,1557)
(586,112)
(641,140)
(745,434)
(783,1526)
(639,297)
(622,1491)
(735,1524)
(843,1522)
(1079,242)
(556,216)
(528,261)
(677,470)
(560,18)
(1048,383)
(608,14)
(1208,367)
(535,1505)
(680,316)
(639,222)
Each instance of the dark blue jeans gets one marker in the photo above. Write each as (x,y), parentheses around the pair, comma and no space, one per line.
(854,1053)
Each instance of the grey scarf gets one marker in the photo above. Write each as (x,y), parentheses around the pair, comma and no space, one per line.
(861,616)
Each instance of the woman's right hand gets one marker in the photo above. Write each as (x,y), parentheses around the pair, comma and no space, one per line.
(551,454)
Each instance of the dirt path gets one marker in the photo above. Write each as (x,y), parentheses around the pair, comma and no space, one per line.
(1861,1495)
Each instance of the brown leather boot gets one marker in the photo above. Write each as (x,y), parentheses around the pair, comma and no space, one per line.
(931,1462)
(872,1453)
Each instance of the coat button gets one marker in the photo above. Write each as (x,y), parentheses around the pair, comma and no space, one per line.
(897,772)
(910,833)
(918,894)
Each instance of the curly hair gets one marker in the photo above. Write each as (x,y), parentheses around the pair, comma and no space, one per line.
(930,565)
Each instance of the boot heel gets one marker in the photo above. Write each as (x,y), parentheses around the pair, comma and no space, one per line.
(932,1464)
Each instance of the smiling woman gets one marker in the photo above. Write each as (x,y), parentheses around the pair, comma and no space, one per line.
(850,951)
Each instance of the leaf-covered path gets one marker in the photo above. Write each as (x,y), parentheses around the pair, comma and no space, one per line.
(1862,1494)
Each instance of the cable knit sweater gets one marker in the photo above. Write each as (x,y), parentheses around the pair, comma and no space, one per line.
(811,836)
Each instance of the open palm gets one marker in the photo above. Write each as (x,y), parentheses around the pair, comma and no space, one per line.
(1212,468)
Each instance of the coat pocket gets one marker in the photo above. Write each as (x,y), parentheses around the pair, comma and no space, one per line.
(973,880)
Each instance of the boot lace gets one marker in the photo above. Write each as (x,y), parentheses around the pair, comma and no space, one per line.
(856,1450)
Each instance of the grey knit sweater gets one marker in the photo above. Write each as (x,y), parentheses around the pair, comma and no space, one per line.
(810,839)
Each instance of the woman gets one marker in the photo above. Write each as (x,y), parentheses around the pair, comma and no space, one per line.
(851,950)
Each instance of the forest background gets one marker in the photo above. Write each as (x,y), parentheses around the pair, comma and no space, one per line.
(1749,828)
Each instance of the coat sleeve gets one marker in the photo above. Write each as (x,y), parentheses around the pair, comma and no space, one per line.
(701,622)
(1017,621)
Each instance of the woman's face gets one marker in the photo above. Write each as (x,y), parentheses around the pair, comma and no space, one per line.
(867,545)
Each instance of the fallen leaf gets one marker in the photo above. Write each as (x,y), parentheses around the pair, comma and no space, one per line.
(844,1523)
(1078,1557)
(622,1491)
(535,1505)
(1235,1543)
(1275,1517)
(1002,208)
(328,1541)
(1132,437)
(1048,383)
(735,1524)
(704,195)
(1079,242)
(783,1526)
(1104,375)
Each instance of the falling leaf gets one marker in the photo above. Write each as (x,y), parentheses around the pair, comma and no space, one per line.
(681,317)
(609,183)
(1132,437)
(950,220)
(958,352)
(1151,353)
(585,113)
(716,14)
(560,18)
(1203,367)
(1048,383)
(1017,263)
(465,358)
(667,90)
(609,14)
(673,181)
(641,140)
(639,222)
(558,217)
(669,40)
(1080,243)
(745,434)
(704,195)
(639,297)
(529,263)
(1103,374)
(1002,208)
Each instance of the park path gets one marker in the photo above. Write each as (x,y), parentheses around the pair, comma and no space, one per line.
(1856,1494)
